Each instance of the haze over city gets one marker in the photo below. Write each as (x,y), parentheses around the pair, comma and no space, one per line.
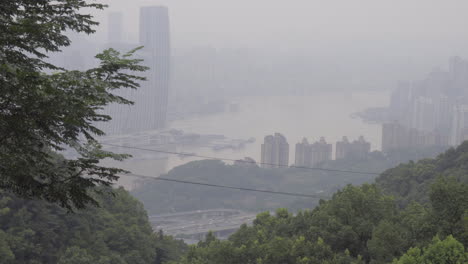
(224,75)
(387,39)
(300,84)
(234,131)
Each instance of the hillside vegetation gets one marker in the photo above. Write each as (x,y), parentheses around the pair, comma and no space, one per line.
(371,223)
(166,197)
(411,181)
(118,232)
(425,222)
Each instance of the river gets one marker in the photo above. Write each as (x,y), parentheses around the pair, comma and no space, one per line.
(296,117)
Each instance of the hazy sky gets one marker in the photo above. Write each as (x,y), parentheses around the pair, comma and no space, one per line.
(395,26)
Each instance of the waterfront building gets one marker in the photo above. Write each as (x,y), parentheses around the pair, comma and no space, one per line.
(423,114)
(358,149)
(459,125)
(400,101)
(275,151)
(309,155)
(430,111)
(321,151)
(394,136)
(343,149)
(458,74)
(444,116)
(155,38)
(149,111)
(303,154)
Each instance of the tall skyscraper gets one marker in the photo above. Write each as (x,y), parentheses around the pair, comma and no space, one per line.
(155,37)
(275,151)
(150,100)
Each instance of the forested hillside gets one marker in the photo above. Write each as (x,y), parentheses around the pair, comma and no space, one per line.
(411,181)
(117,232)
(174,197)
(363,224)
(371,223)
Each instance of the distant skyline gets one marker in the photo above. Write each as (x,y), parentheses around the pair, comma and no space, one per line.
(364,44)
(397,27)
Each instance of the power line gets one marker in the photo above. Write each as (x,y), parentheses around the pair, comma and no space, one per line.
(224,186)
(243,161)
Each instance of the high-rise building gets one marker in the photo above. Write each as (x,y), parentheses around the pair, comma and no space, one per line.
(394,136)
(430,111)
(310,155)
(458,72)
(149,110)
(423,114)
(155,39)
(400,101)
(342,149)
(358,149)
(303,155)
(321,151)
(460,125)
(275,151)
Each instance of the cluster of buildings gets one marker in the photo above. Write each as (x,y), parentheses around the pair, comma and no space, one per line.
(275,151)
(430,112)
(309,155)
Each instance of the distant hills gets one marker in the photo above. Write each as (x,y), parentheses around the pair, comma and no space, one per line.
(416,213)
(168,197)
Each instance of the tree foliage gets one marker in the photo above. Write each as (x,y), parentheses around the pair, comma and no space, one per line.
(177,197)
(411,181)
(117,232)
(45,109)
(447,251)
(361,224)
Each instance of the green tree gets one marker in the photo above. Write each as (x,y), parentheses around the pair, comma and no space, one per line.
(347,221)
(6,255)
(117,232)
(447,251)
(42,113)
(387,241)
(75,255)
(449,200)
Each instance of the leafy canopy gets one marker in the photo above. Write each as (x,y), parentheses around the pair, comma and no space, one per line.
(45,109)
(117,232)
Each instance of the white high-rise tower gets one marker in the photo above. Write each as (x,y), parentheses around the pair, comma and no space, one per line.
(155,37)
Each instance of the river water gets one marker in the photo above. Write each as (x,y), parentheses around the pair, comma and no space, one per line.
(296,117)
